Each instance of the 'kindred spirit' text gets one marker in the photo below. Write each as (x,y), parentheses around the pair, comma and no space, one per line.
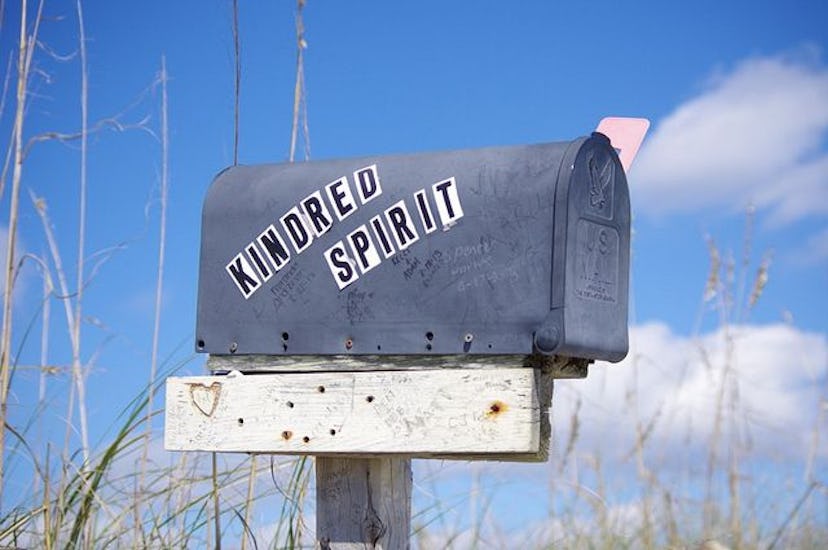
(359,252)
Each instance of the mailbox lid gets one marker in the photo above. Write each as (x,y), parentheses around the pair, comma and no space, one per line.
(590,290)
(459,261)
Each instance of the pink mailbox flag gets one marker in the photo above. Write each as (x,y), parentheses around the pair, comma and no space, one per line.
(626,135)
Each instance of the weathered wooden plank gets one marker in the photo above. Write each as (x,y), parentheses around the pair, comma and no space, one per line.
(544,385)
(363,503)
(483,413)
(557,367)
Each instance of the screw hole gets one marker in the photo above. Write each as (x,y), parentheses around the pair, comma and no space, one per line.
(370,399)
(429,336)
(428,347)
(306,439)
(200,344)
(240,421)
(379,347)
(349,343)
(490,346)
(285,336)
(333,432)
(321,389)
(290,404)
(287,435)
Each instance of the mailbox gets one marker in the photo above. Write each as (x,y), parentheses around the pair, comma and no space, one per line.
(506,250)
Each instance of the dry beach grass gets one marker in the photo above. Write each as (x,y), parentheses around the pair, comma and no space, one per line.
(125,491)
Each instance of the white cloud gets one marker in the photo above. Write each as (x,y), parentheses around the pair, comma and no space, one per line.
(780,375)
(781,372)
(754,135)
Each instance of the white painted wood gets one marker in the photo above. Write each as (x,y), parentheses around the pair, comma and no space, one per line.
(363,503)
(456,413)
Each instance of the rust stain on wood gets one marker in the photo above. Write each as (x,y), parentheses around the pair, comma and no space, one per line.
(496,409)
(205,398)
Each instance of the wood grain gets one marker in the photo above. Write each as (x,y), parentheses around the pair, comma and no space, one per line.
(492,413)
(556,366)
(363,503)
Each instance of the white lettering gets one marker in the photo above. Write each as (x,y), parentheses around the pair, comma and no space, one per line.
(274,246)
(341,198)
(425,211)
(243,275)
(405,234)
(313,217)
(364,250)
(448,202)
(382,236)
(261,265)
(368,183)
(342,267)
(317,213)
(294,223)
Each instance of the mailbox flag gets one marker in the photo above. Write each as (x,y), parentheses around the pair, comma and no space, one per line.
(626,136)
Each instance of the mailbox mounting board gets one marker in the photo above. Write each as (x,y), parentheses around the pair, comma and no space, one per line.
(505,250)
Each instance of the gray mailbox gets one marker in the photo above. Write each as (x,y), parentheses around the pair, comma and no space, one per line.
(508,250)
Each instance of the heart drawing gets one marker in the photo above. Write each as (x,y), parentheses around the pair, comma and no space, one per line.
(205,398)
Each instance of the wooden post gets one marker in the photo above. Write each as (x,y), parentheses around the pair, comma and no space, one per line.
(364,419)
(363,503)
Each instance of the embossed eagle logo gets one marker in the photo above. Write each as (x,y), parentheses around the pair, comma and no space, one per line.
(600,172)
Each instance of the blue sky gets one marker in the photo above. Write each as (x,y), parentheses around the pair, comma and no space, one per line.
(737,93)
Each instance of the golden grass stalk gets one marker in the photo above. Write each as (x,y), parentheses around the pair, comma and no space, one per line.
(5,339)
(159,286)
(216,507)
(25,48)
(77,368)
(237,81)
(299,93)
